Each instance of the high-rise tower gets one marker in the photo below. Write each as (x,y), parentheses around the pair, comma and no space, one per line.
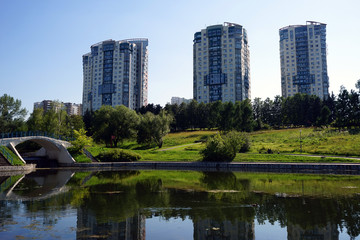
(115,73)
(221,64)
(303,53)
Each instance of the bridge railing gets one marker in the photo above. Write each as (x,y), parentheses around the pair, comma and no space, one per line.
(6,154)
(35,134)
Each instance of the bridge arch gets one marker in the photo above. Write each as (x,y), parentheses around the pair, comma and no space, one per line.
(52,148)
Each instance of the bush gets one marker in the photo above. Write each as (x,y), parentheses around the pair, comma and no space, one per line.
(118,155)
(224,149)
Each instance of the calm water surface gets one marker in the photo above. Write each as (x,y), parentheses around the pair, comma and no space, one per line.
(148,204)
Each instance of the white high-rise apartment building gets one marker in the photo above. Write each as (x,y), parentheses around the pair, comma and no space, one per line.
(115,73)
(303,54)
(221,64)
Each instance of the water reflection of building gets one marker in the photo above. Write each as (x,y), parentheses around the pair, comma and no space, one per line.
(133,228)
(207,229)
(328,232)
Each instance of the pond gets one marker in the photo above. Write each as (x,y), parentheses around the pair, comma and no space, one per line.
(155,204)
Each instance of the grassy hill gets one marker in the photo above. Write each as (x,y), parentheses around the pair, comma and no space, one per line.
(185,146)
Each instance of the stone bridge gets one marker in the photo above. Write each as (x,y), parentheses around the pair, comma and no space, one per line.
(51,147)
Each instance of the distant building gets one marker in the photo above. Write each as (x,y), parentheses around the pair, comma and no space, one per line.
(73,108)
(70,108)
(221,64)
(303,53)
(48,105)
(179,100)
(91,226)
(115,73)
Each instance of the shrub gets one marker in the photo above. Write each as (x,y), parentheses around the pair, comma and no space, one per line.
(224,149)
(81,140)
(118,155)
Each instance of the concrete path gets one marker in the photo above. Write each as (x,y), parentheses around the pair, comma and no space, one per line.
(322,156)
(178,146)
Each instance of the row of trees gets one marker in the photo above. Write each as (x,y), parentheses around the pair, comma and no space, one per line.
(342,111)
(115,124)
(151,123)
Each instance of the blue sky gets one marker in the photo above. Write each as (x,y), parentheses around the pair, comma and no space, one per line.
(42,42)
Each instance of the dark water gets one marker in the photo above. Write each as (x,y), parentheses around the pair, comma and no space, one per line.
(178,205)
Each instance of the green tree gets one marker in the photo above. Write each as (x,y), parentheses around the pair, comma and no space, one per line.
(11,114)
(247,116)
(324,117)
(357,85)
(172,109)
(81,140)
(153,128)
(227,119)
(76,122)
(192,114)
(36,120)
(115,124)
(215,114)
(257,107)
(88,119)
(343,110)
(181,117)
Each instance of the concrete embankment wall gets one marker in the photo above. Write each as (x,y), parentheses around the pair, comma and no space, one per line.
(214,166)
(16,170)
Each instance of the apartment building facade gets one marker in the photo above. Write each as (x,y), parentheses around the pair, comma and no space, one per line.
(303,60)
(116,73)
(221,64)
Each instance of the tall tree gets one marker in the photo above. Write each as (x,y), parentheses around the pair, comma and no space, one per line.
(88,120)
(247,116)
(257,106)
(227,120)
(36,120)
(357,85)
(342,109)
(192,113)
(113,125)
(11,114)
(215,110)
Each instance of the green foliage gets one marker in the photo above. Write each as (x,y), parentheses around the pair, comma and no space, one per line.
(81,140)
(55,121)
(115,124)
(16,160)
(324,118)
(357,85)
(153,128)
(347,109)
(224,148)
(11,114)
(118,155)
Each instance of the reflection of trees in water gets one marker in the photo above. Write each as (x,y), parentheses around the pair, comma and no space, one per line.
(120,200)
(309,213)
(224,181)
(6,216)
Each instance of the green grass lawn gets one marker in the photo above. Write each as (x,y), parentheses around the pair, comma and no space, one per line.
(324,141)
(281,142)
(16,159)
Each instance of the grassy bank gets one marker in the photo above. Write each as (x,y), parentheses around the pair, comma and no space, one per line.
(185,146)
(16,160)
